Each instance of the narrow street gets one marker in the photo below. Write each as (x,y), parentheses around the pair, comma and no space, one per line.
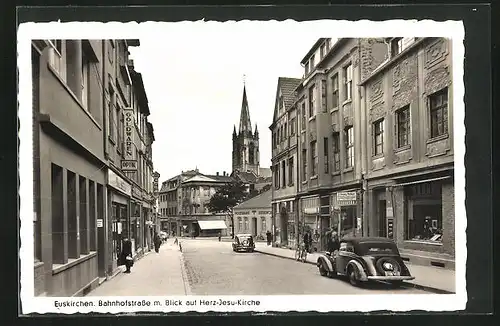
(214,269)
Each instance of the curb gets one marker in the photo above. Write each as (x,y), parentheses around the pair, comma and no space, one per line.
(185,279)
(405,283)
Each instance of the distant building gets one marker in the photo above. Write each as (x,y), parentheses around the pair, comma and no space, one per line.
(183,204)
(254,215)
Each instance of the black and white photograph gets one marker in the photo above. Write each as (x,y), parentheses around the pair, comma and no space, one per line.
(242,166)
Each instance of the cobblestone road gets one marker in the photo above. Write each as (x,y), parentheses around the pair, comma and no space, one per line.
(212,268)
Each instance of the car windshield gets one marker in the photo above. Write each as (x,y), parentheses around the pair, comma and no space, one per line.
(370,248)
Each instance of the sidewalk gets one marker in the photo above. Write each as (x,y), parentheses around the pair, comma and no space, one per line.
(155,274)
(430,279)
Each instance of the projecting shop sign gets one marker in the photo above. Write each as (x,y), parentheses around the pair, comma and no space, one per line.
(130,162)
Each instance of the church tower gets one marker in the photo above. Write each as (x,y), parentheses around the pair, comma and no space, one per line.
(246,157)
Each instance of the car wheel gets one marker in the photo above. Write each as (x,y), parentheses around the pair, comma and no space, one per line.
(322,270)
(353,278)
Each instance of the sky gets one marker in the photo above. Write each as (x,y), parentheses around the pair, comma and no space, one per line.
(194,74)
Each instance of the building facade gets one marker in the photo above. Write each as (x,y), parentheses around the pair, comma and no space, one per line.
(254,216)
(330,135)
(409,162)
(183,204)
(70,181)
(284,163)
(80,94)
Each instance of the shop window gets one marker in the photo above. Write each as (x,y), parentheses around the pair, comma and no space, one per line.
(348,222)
(263,224)
(82,227)
(438,106)
(57,198)
(240,224)
(424,212)
(246,224)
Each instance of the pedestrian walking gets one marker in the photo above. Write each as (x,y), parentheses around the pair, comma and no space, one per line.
(220,236)
(157,242)
(307,242)
(269,237)
(126,255)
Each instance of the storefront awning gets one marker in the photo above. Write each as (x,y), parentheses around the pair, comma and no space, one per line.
(212,225)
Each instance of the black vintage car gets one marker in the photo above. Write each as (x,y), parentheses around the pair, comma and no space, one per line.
(243,242)
(365,259)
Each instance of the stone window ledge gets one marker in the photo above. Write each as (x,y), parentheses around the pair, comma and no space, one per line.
(402,148)
(58,268)
(438,138)
(423,242)
(314,177)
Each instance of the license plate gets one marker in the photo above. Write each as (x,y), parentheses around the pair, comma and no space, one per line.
(391,273)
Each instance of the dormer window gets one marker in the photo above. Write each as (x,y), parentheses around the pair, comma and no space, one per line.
(399,44)
(322,51)
(312,62)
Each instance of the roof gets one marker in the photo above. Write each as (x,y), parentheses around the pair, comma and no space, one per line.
(287,85)
(248,177)
(138,85)
(260,201)
(204,178)
(245,122)
(222,178)
(313,48)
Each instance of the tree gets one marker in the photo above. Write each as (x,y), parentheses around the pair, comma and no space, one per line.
(226,197)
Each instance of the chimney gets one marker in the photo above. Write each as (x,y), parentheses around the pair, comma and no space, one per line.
(217,173)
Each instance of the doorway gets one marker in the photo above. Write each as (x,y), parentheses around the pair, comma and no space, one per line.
(254,226)
(382,218)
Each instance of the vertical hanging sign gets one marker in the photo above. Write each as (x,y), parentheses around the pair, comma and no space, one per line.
(129,163)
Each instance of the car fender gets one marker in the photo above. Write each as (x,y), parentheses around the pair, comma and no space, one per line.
(360,269)
(327,263)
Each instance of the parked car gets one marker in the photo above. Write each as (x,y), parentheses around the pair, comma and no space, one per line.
(243,242)
(365,259)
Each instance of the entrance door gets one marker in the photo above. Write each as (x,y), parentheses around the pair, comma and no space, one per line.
(382,218)
(254,226)
(101,232)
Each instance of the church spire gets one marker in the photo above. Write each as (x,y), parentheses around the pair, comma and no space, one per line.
(245,123)
(256,132)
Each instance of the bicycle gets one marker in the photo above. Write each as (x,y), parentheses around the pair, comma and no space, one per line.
(301,253)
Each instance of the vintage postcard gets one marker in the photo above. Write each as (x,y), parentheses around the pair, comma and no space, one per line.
(242,166)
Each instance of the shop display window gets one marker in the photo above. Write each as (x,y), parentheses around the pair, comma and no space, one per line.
(424,215)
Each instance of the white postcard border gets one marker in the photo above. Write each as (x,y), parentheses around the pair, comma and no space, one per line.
(320,303)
